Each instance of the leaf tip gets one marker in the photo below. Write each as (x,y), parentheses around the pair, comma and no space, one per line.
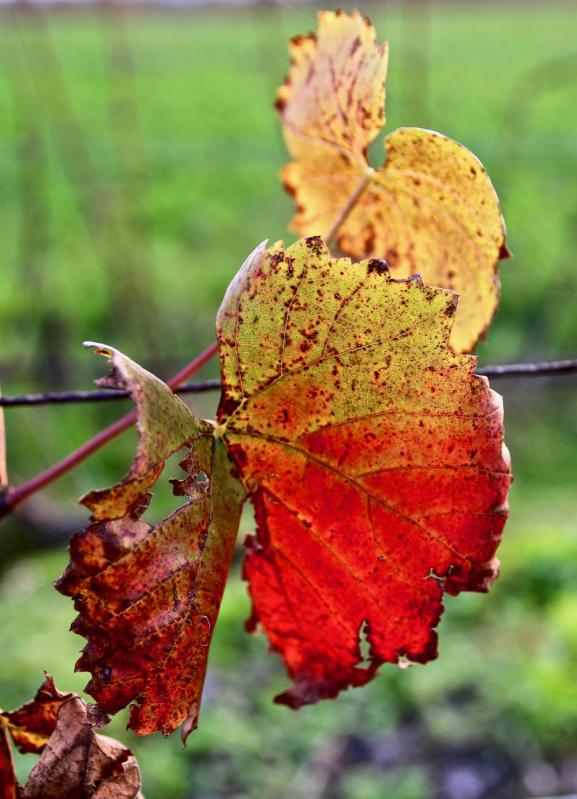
(99,349)
(190,724)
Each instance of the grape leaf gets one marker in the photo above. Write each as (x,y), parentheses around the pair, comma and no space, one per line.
(431,209)
(374,458)
(373,455)
(75,762)
(148,595)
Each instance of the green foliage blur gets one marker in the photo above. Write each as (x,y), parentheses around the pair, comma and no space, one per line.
(139,160)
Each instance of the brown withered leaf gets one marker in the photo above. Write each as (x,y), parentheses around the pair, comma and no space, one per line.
(431,209)
(79,764)
(373,455)
(75,762)
(30,727)
(148,595)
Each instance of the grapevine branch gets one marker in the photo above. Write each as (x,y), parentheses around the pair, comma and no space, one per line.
(494,371)
(98,395)
(538,369)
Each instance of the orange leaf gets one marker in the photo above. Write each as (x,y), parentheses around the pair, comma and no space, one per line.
(431,209)
(148,595)
(372,453)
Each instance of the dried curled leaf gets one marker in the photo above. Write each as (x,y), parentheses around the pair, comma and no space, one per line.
(75,762)
(78,763)
(372,453)
(148,595)
(431,209)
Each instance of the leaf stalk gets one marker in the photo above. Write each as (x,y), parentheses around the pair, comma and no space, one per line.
(349,206)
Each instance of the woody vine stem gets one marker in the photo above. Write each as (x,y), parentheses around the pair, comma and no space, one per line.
(11,497)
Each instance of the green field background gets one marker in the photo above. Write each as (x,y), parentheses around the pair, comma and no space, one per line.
(139,161)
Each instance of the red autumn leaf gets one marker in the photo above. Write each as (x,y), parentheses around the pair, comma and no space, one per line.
(148,595)
(430,209)
(373,455)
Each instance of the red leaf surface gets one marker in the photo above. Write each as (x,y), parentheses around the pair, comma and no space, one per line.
(373,455)
(148,595)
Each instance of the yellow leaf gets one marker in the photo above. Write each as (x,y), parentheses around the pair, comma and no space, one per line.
(431,209)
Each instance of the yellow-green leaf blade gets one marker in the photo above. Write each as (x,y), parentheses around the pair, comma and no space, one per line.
(433,210)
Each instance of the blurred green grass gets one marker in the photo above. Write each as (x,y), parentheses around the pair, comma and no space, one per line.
(135,243)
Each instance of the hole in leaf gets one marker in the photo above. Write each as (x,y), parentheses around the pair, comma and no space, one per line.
(439,578)
(163,500)
(377,153)
(202,479)
(364,646)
